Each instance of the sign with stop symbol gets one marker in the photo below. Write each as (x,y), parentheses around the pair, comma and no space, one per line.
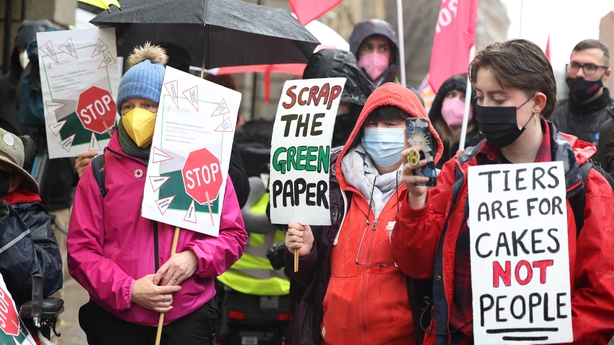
(202,176)
(96,109)
(186,179)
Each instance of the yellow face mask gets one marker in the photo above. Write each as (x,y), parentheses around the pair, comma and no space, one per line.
(139,124)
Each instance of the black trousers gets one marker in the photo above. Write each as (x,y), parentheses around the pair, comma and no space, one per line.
(103,328)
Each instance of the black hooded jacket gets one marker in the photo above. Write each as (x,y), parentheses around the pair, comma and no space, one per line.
(328,63)
(456,82)
(372,27)
(56,190)
(9,115)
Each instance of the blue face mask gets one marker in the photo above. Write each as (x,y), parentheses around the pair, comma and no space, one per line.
(384,145)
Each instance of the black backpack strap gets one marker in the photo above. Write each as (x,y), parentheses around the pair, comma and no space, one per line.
(98,171)
(597,166)
(577,201)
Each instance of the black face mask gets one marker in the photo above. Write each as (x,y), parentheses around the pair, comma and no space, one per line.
(5,182)
(498,124)
(583,89)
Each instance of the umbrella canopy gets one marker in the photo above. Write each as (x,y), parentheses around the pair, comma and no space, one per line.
(329,39)
(104,4)
(217,33)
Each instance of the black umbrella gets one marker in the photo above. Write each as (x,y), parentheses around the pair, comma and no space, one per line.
(217,33)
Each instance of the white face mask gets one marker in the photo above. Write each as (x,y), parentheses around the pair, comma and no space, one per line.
(23,59)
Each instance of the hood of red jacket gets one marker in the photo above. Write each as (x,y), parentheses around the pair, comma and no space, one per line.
(395,95)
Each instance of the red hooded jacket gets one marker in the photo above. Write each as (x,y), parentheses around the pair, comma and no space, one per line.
(345,302)
(417,236)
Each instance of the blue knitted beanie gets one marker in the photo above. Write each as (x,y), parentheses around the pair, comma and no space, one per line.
(144,79)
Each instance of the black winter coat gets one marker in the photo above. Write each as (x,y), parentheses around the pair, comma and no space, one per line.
(28,246)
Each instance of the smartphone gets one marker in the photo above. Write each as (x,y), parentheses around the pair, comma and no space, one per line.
(419,135)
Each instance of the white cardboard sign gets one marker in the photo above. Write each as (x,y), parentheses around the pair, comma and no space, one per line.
(190,153)
(519,254)
(12,328)
(79,80)
(300,152)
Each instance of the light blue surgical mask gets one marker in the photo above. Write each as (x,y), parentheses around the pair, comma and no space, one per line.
(384,145)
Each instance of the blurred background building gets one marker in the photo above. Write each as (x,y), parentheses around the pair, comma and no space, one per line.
(419,16)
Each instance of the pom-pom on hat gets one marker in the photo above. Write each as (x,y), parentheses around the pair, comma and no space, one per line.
(145,76)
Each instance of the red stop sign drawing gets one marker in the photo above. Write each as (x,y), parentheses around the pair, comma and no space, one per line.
(9,322)
(96,109)
(202,176)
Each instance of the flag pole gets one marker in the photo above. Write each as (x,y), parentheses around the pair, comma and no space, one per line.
(400,33)
(461,143)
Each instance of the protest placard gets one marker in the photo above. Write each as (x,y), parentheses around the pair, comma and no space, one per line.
(13,330)
(79,80)
(190,153)
(519,254)
(300,151)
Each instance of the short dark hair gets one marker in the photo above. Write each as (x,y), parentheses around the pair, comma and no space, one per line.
(521,64)
(590,44)
(387,113)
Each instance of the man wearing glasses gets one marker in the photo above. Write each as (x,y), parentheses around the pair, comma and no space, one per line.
(583,113)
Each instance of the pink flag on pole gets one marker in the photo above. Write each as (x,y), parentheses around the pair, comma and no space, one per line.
(308,10)
(454,37)
(547,52)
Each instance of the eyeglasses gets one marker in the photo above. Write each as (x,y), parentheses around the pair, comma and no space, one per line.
(589,69)
(374,227)
(360,246)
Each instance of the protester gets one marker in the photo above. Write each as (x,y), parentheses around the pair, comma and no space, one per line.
(28,243)
(327,63)
(354,291)
(583,113)
(374,43)
(9,114)
(56,187)
(115,253)
(605,147)
(446,114)
(515,85)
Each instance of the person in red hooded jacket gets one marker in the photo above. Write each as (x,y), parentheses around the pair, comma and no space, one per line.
(516,93)
(355,293)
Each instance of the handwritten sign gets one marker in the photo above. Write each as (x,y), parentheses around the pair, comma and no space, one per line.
(300,153)
(519,254)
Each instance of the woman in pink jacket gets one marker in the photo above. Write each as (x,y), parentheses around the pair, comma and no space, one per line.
(122,259)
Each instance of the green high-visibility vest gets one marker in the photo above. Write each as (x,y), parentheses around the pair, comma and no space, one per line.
(253,274)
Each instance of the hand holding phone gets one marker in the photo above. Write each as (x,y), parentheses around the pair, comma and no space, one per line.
(419,136)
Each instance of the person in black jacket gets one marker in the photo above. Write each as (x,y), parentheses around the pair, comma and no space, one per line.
(328,63)
(583,113)
(27,241)
(446,114)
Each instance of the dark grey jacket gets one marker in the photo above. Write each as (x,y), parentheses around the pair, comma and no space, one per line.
(582,120)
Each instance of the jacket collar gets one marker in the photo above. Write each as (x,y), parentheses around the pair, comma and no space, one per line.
(564,147)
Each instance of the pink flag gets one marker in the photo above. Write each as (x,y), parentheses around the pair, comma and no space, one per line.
(308,10)
(454,37)
(547,52)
